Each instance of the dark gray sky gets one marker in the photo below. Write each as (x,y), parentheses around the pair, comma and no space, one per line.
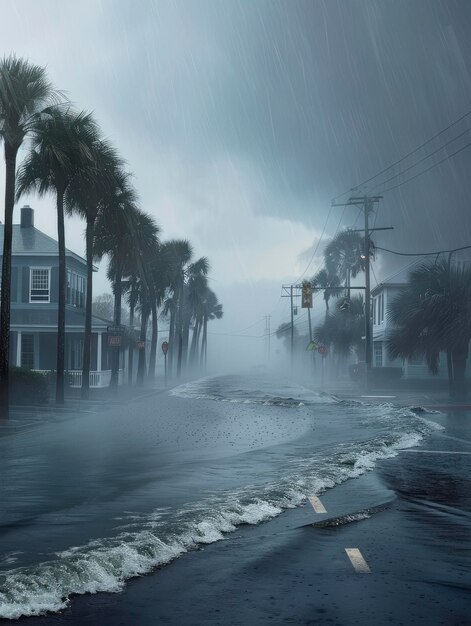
(241,119)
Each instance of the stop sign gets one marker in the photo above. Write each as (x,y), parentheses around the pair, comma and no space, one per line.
(165,347)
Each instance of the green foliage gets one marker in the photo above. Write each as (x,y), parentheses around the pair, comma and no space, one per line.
(342,330)
(28,387)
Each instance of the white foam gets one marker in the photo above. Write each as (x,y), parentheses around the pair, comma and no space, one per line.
(155,539)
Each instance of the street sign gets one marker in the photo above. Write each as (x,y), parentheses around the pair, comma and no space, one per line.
(165,347)
(312,345)
(115,341)
(115,330)
(141,345)
(322,350)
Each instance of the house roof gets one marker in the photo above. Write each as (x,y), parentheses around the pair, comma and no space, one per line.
(29,241)
(48,317)
(398,279)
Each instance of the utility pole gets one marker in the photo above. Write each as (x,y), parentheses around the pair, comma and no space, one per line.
(367,202)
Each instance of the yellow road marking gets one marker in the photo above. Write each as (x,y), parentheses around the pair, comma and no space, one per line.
(357,560)
(317,504)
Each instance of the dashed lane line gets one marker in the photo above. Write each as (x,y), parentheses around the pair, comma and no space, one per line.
(357,560)
(317,505)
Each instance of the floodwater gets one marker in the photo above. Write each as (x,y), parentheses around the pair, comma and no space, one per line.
(95,499)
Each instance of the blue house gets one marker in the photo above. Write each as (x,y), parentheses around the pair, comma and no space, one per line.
(34,300)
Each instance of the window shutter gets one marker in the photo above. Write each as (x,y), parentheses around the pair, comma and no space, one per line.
(14,284)
(25,285)
(54,286)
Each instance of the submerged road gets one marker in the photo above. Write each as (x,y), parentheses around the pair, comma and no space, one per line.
(250,500)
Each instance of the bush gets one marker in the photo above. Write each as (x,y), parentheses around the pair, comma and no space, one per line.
(385,375)
(28,387)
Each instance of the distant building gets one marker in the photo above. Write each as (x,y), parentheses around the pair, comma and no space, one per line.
(34,304)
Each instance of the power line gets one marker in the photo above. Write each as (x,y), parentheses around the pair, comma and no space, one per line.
(428,168)
(427,156)
(423,253)
(406,156)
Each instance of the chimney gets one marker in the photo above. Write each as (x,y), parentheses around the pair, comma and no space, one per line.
(27,217)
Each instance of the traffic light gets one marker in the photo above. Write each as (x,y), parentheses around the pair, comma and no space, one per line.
(306,300)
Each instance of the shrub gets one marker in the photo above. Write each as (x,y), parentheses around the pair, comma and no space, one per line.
(28,387)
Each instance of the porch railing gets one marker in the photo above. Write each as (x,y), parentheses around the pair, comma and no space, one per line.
(97,379)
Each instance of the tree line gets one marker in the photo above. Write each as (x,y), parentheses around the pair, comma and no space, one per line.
(68,157)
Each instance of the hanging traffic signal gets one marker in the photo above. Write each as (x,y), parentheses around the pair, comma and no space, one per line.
(306,300)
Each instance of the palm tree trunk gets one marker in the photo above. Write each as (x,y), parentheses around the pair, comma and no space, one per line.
(179,331)
(10,174)
(141,366)
(194,342)
(88,309)
(118,290)
(449,367)
(62,297)
(204,352)
(131,347)
(185,339)
(171,341)
(153,342)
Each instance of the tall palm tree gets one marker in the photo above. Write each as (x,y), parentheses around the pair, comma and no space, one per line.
(212,310)
(195,278)
(61,146)
(119,233)
(180,254)
(433,314)
(95,189)
(24,92)
(197,291)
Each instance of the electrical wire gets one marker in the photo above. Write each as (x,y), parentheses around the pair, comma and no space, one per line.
(427,156)
(428,168)
(406,156)
(423,253)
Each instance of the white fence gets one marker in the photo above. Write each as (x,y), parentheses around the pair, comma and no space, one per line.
(97,379)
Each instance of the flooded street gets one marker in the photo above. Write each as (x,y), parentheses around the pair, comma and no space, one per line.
(99,498)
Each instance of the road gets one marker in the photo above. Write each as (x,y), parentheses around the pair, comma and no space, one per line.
(250,500)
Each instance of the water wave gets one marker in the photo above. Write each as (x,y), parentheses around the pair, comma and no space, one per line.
(145,542)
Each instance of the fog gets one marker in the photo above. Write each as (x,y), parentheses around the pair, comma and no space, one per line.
(241,121)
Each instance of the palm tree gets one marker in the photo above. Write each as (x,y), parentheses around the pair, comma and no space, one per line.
(212,310)
(24,92)
(95,189)
(180,254)
(433,314)
(120,233)
(343,329)
(330,283)
(195,278)
(61,146)
(197,291)
(344,255)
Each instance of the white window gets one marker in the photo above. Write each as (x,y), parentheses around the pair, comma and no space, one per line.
(378,353)
(39,290)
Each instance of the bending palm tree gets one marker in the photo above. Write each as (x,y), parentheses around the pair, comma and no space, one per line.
(24,92)
(432,315)
(95,189)
(61,147)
